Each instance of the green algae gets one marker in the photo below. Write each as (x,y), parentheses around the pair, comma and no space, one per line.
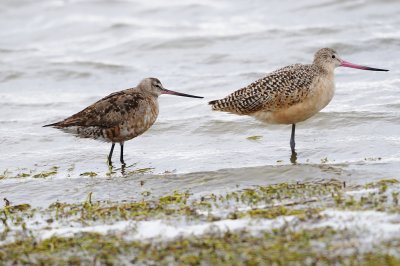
(254,138)
(15,208)
(22,175)
(175,198)
(280,246)
(141,171)
(105,211)
(90,174)
(52,171)
(274,212)
(29,173)
(284,199)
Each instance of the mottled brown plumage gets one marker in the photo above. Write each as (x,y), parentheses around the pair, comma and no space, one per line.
(288,95)
(119,116)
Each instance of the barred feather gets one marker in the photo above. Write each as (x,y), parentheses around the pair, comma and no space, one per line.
(279,89)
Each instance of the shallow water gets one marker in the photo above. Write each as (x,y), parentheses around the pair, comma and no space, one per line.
(57,57)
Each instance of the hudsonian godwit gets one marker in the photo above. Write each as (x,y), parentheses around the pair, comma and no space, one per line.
(120,116)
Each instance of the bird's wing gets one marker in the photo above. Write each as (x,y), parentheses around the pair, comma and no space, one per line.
(281,88)
(107,112)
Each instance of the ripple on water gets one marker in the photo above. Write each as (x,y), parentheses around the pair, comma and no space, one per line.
(75,52)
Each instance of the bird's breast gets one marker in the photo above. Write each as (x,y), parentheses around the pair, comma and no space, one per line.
(139,120)
(321,92)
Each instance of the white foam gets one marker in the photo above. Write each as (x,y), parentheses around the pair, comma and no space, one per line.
(139,230)
(372,226)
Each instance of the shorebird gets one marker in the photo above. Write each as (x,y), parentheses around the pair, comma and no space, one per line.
(120,116)
(290,94)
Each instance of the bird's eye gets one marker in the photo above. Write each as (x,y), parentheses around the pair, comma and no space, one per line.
(333,56)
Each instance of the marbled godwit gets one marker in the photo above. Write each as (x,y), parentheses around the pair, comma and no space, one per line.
(291,94)
(120,116)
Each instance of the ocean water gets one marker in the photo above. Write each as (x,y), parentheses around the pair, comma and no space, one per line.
(57,57)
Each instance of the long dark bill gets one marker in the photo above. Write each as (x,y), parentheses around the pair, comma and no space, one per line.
(351,65)
(165,91)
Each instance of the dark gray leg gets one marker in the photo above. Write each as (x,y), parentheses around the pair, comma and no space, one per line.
(292,143)
(121,158)
(111,152)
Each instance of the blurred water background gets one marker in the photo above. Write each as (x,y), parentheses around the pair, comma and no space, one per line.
(57,57)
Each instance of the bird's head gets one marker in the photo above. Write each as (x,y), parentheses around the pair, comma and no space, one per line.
(154,86)
(328,59)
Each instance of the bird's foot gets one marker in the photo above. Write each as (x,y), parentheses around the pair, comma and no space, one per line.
(123,168)
(293,157)
(109,164)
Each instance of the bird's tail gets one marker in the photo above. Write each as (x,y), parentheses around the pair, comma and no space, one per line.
(220,105)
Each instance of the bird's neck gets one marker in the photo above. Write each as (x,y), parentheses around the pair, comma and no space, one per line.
(150,93)
(325,70)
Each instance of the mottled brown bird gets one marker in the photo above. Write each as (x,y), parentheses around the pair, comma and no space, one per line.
(120,116)
(289,95)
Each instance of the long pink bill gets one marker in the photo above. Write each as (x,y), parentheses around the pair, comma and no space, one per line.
(165,91)
(351,65)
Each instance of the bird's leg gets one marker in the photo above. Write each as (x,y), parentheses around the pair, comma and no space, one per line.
(121,158)
(293,157)
(292,143)
(110,154)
